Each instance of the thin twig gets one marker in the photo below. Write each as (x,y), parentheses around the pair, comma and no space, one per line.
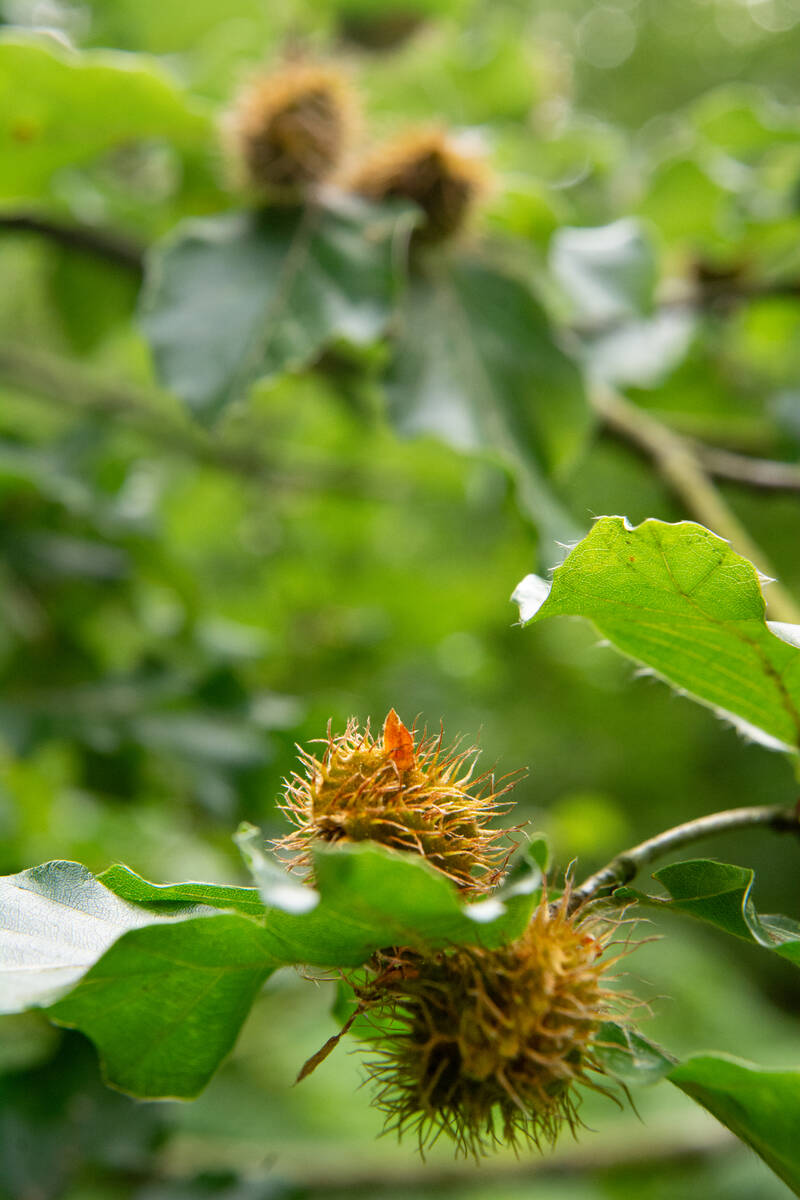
(625,866)
(679,464)
(115,247)
(743,468)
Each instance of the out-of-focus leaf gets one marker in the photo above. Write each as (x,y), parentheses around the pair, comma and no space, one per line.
(46,554)
(58,1119)
(46,473)
(609,275)
(720,893)
(743,121)
(459,79)
(477,366)
(170,27)
(60,108)
(684,202)
(233,298)
(220,1185)
(679,600)
(91,297)
(640,353)
(201,736)
(607,272)
(761,1106)
(26,1040)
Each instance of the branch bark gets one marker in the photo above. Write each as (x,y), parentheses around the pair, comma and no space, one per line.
(760,473)
(682,469)
(624,867)
(116,248)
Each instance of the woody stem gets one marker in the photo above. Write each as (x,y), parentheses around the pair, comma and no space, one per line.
(625,866)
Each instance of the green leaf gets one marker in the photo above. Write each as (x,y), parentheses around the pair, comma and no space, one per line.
(538,851)
(165,1004)
(240,296)
(55,921)
(609,276)
(163,989)
(372,897)
(629,1056)
(172,27)
(91,297)
(720,893)
(162,1010)
(608,272)
(761,1106)
(641,353)
(60,108)
(685,202)
(173,896)
(476,366)
(680,601)
(275,886)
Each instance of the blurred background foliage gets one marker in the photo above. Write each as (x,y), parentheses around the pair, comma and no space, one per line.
(179,607)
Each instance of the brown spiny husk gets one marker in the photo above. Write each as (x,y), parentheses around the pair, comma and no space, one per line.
(487,1046)
(289,130)
(424,166)
(403,793)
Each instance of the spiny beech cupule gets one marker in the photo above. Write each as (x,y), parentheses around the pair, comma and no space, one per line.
(428,167)
(291,130)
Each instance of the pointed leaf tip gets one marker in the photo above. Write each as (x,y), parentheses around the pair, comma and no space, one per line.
(398,742)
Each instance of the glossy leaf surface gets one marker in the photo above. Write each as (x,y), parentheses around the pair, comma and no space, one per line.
(761,1106)
(680,601)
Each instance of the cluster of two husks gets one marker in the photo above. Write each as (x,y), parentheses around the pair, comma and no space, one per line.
(293,130)
(483,1045)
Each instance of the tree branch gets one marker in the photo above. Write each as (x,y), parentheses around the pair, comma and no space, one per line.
(625,866)
(754,472)
(680,466)
(101,243)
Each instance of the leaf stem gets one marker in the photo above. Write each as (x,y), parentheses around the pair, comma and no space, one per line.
(626,865)
(681,467)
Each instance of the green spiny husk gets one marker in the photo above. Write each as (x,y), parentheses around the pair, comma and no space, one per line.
(289,130)
(488,1046)
(424,166)
(413,797)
